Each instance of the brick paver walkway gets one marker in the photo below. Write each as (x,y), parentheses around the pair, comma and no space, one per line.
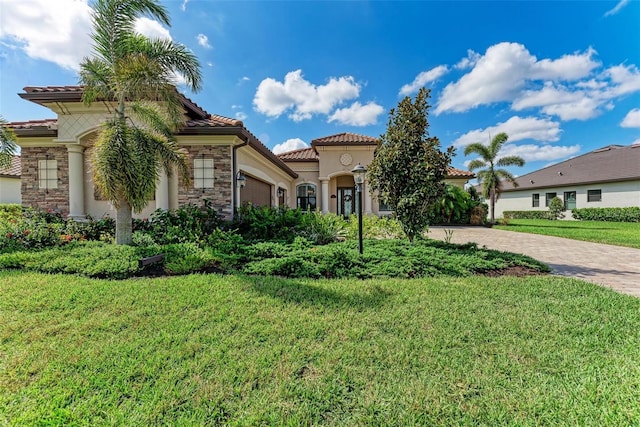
(612,266)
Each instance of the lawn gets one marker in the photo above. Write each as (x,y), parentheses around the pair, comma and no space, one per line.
(612,233)
(238,350)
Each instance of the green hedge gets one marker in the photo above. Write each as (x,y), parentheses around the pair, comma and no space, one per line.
(630,214)
(526,215)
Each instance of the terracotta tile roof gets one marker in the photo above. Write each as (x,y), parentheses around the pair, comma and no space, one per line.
(46,94)
(13,170)
(214,121)
(48,124)
(608,164)
(300,155)
(345,138)
(458,173)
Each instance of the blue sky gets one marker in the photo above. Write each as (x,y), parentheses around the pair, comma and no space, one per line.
(561,78)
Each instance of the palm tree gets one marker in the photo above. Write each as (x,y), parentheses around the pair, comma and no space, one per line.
(138,74)
(492,178)
(8,146)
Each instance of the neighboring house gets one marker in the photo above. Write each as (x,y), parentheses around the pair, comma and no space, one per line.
(10,182)
(229,166)
(606,177)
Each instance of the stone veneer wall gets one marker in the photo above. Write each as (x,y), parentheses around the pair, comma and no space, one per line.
(220,195)
(56,199)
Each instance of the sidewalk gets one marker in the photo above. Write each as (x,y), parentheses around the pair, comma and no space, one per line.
(616,267)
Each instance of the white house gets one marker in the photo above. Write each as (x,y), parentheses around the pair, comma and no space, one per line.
(606,177)
(10,182)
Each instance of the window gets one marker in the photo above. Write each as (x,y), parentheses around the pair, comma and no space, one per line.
(548,197)
(569,200)
(306,197)
(535,200)
(203,173)
(47,174)
(594,195)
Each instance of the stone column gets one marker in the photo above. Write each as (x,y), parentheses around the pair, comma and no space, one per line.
(76,181)
(325,194)
(162,191)
(173,191)
(367,198)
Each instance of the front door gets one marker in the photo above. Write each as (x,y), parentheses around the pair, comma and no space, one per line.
(346,201)
(569,200)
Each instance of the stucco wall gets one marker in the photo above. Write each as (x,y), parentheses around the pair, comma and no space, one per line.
(617,194)
(10,190)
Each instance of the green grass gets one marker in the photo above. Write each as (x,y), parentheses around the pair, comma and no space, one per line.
(236,350)
(612,233)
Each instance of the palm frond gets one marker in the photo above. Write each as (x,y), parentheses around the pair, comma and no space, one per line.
(8,146)
(510,161)
(477,164)
(479,149)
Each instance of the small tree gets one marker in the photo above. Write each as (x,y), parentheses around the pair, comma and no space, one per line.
(408,168)
(556,208)
(491,177)
(8,146)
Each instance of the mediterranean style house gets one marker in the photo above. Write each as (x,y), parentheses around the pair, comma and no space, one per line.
(229,165)
(606,177)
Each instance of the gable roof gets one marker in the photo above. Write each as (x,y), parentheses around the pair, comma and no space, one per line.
(345,138)
(612,163)
(199,121)
(13,171)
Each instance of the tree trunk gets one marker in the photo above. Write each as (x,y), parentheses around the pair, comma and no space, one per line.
(124,224)
(492,205)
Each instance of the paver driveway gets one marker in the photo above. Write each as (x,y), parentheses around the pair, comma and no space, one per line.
(613,266)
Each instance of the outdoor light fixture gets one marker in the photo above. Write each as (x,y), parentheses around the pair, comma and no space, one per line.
(241,180)
(280,192)
(359,173)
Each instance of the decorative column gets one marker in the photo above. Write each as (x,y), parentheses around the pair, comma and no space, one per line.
(173,191)
(325,194)
(162,191)
(76,181)
(367,198)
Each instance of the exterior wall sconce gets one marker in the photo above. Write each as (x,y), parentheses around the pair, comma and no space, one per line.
(280,192)
(241,180)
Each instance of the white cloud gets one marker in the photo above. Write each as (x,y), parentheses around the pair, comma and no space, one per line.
(290,145)
(203,41)
(302,98)
(243,79)
(504,70)
(357,114)
(469,61)
(57,31)
(617,8)
(517,128)
(184,5)
(534,152)
(636,142)
(632,119)
(241,115)
(152,29)
(236,106)
(422,79)
(625,79)
(53,31)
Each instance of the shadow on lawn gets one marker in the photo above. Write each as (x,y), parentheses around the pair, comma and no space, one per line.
(298,292)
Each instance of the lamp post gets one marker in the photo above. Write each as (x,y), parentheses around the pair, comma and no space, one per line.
(359,173)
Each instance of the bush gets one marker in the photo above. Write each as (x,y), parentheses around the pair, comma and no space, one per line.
(189,223)
(556,208)
(374,227)
(10,212)
(185,258)
(629,214)
(264,223)
(526,215)
(322,228)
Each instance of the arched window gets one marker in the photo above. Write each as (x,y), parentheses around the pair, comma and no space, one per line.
(306,197)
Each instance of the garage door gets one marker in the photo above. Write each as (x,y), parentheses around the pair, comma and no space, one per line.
(256,192)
